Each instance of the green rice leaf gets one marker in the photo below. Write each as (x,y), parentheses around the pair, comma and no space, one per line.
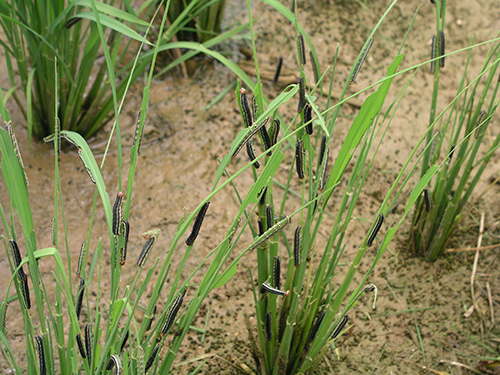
(115,25)
(90,163)
(367,113)
(3,111)
(319,119)
(220,171)
(226,276)
(216,55)
(117,309)
(419,188)
(290,17)
(50,252)
(13,175)
(29,105)
(112,11)
(269,171)
(218,39)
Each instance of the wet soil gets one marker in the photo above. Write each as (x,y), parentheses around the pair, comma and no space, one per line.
(419,324)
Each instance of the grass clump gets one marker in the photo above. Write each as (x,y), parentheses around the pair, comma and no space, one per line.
(299,318)
(78,34)
(459,140)
(66,328)
(39,32)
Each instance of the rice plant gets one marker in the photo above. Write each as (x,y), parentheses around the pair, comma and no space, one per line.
(458,139)
(39,32)
(61,339)
(91,41)
(302,296)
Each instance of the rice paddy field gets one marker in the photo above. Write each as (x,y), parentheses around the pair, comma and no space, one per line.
(428,318)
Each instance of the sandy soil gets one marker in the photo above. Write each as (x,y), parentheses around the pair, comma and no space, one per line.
(178,162)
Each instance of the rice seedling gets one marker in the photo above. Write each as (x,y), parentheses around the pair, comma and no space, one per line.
(458,140)
(70,333)
(38,32)
(77,34)
(299,318)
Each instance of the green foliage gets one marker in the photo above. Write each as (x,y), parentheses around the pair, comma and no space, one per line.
(104,338)
(458,142)
(39,32)
(203,18)
(77,34)
(296,327)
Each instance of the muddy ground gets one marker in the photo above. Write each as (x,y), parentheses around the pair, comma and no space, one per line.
(177,166)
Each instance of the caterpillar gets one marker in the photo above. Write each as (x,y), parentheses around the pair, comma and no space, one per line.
(361,61)
(81,348)
(251,154)
(427,199)
(53,231)
(114,361)
(197,224)
(83,251)
(88,343)
(79,298)
(17,260)
(376,228)
(317,324)
(117,213)
(137,137)
(296,247)
(150,237)
(269,216)
(267,288)
(151,319)
(124,342)
(315,66)
(26,292)
(262,200)
(260,224)
(245,108)
(308,118)
(13,138)
(269,328)
(433,54)
(479,123)
(41,354)
(441,48)
(274,131)
(278,70)
(277,272)
(340,327)
(270,232)
(250,134)
(255,108)
(151,359)
(299,156)
(301,49)
(172,313)
(302,95)
(123,250)
(266,141)
(322,180)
